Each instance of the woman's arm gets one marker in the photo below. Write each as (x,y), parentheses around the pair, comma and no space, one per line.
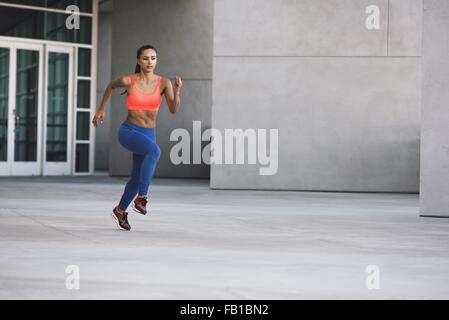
(173,94)
(120,82)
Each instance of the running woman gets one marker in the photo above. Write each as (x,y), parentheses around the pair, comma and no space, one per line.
(138,133)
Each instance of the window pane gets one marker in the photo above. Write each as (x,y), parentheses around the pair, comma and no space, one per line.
(37,3)
(82,125)
(84,34)
(83,94)
(24,23)
(82,157)
(4,90)
(55,29)
(57,106)
(26,105)
(84,62)
(83,5)
(21,23)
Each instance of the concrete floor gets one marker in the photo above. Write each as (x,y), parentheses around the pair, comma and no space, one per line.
(199,243)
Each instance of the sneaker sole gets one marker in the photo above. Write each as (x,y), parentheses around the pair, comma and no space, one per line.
(134,208)
(118,224)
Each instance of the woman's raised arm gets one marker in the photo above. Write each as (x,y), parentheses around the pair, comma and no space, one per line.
(172,94)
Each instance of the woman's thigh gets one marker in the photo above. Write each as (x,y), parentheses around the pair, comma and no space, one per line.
(135,141)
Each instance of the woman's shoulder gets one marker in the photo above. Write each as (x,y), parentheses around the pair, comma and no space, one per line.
(125,77)
(120,81)
(163,79)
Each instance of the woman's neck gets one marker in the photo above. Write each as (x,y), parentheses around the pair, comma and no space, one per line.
(148,77)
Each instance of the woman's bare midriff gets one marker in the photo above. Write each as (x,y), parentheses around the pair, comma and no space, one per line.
(143,118)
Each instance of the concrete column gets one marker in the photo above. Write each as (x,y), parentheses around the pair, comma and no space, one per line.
(103,78)
(434,193)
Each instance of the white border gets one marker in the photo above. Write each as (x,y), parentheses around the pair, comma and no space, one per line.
(93,72)
(40,41)
(93,95)
(5,166)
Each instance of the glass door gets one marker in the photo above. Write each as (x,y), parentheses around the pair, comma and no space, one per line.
(58,110)
(36,109)
(20,108)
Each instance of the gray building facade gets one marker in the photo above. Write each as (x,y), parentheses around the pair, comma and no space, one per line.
(344,98)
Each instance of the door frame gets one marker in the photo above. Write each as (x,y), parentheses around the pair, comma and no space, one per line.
(59,168)
(5,166)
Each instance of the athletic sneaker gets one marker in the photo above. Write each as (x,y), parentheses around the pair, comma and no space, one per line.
(121,218)
(140,203)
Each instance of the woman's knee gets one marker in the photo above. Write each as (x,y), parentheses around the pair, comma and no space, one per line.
(155,151)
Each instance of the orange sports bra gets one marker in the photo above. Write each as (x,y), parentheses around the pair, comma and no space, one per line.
(142,101)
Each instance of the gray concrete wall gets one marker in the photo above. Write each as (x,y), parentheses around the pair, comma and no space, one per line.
(181,31)
(103,78)
(345,99)
(435,112)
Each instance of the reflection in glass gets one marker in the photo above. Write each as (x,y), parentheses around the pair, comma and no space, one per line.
(57,106)
(84,62)
(82,157)
(27,73)
(82,125)
(4,90)
(83,98)
(55,29)
(34,24)
(83,5)
(84,34)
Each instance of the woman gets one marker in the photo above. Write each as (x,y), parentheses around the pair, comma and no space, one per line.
(138,133)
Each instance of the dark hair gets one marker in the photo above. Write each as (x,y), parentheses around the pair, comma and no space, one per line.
(139,53)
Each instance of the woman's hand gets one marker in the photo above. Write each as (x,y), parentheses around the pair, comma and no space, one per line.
(98,118)
(178,84)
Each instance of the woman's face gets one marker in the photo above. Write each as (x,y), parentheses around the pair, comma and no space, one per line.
(147,60)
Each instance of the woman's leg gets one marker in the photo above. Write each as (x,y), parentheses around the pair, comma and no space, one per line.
(147,169)
(132,186)
(141,141)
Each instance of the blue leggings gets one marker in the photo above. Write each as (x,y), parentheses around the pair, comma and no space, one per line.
(141,142)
